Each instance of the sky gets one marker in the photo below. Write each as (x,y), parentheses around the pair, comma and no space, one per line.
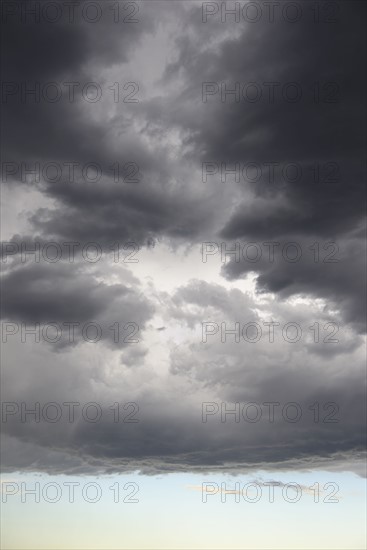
(183,275)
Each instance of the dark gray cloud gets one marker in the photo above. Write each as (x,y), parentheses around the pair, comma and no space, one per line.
(66,293)
(328,275)
(160,200)
(39,53)
(168,134)
(306,132)
(170,434)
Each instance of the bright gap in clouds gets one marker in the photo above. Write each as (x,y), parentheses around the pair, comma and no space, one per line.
(171,268)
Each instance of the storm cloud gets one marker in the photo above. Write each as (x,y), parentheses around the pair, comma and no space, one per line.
(195,163)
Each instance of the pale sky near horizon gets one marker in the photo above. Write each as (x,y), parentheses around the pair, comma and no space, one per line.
(171,513)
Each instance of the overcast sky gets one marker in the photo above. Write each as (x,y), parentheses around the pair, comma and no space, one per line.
(192,183)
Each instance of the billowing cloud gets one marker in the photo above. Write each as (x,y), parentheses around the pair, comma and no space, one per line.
(185,165)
